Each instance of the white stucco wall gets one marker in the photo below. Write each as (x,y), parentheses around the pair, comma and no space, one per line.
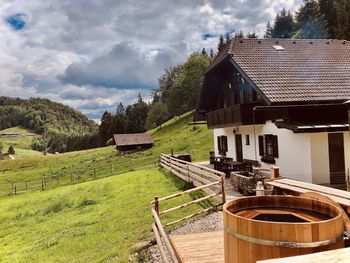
(320,158)
(294,149)
(302,156)
(347,151)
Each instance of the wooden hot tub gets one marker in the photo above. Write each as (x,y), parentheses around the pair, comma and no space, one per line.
(265,227)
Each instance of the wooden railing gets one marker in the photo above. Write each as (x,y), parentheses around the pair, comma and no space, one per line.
(158,227)
(191,172)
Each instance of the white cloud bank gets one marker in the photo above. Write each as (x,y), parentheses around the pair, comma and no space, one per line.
(95,54)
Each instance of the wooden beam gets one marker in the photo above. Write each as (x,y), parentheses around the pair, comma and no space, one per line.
(163,235)
(159,243)
(188,204)
(193,215)
(185,192)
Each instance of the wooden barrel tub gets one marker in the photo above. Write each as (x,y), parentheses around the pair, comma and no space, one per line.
(265,227)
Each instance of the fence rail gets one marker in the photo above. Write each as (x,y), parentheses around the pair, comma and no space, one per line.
(191,172)
(206,179)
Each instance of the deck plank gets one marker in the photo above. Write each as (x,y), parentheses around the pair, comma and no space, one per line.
(295,188)
(200,248)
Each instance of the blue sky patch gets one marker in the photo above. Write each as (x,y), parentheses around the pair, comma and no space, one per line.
(16,21)
(208,35)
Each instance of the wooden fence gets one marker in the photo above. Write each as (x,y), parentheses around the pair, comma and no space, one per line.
(190,172)
(205,179)
(158,227)
(49,182)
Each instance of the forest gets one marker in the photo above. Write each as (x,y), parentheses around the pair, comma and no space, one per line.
(62,128)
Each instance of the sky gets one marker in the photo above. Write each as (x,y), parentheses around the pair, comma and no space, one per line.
(94,54)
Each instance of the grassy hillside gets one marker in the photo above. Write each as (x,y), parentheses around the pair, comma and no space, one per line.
(175,134)
(98,221)
(21,144)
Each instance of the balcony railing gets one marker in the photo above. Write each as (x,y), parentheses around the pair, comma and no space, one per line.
(241,114)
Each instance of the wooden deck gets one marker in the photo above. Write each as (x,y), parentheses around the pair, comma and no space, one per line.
(334,256)
(339,196)
(200,248)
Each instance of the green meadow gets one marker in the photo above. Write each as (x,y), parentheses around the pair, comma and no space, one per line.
(102,219)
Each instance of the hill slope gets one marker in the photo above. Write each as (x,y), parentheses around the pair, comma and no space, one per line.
(100,220)
(63,128)
(97,221)
(41,115)
(175,134)
(21,144)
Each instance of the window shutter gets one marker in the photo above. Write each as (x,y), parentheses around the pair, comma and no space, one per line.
(219,143)
(261,145)
(224,143)
(275,146)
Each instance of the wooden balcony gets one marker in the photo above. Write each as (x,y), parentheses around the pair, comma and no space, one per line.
(241,114)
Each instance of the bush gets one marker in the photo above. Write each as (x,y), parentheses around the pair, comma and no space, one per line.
(11,150)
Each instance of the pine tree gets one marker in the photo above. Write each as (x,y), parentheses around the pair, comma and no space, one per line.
(212,53)
(120,109)
(284,25)
(227,38)
(309,21)
(252,35)
(204,52)
(268,31)
(239,34)
(221,44)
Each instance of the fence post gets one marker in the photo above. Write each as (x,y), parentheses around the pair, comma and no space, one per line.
(42,185)
(156,204)
(26,185)
(188,173)
(94,173)
(15,189)
(275,172)
(223,188)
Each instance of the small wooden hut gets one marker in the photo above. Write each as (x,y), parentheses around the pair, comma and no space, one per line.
(132,142)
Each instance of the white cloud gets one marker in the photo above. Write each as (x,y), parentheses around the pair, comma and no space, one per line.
(94,54)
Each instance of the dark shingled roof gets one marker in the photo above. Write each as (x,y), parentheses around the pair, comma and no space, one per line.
(132,139)
(303,71)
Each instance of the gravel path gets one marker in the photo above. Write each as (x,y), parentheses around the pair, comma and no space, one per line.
(209,223)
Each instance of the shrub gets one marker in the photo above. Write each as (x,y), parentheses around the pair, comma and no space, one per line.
(11,150)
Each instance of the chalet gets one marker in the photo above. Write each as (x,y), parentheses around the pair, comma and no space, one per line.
(132,142)
(281,102)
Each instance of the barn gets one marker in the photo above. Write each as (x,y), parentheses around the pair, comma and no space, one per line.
(132,142)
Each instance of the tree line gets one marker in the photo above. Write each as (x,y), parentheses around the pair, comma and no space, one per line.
(313,20)
(176,94)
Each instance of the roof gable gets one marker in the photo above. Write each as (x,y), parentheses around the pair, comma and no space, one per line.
(300,71)
(132,139)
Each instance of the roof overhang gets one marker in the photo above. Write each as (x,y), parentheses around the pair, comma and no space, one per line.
(312,127)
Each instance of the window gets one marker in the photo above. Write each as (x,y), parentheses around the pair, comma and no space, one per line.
(222,145)
(247,142)
(268,148)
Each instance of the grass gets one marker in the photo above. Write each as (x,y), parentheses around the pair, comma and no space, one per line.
(22,144)
(95,220)
(175,134)
(98,221)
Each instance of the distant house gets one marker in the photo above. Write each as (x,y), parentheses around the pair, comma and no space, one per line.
(282,102)
(10,134)
(132,142)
